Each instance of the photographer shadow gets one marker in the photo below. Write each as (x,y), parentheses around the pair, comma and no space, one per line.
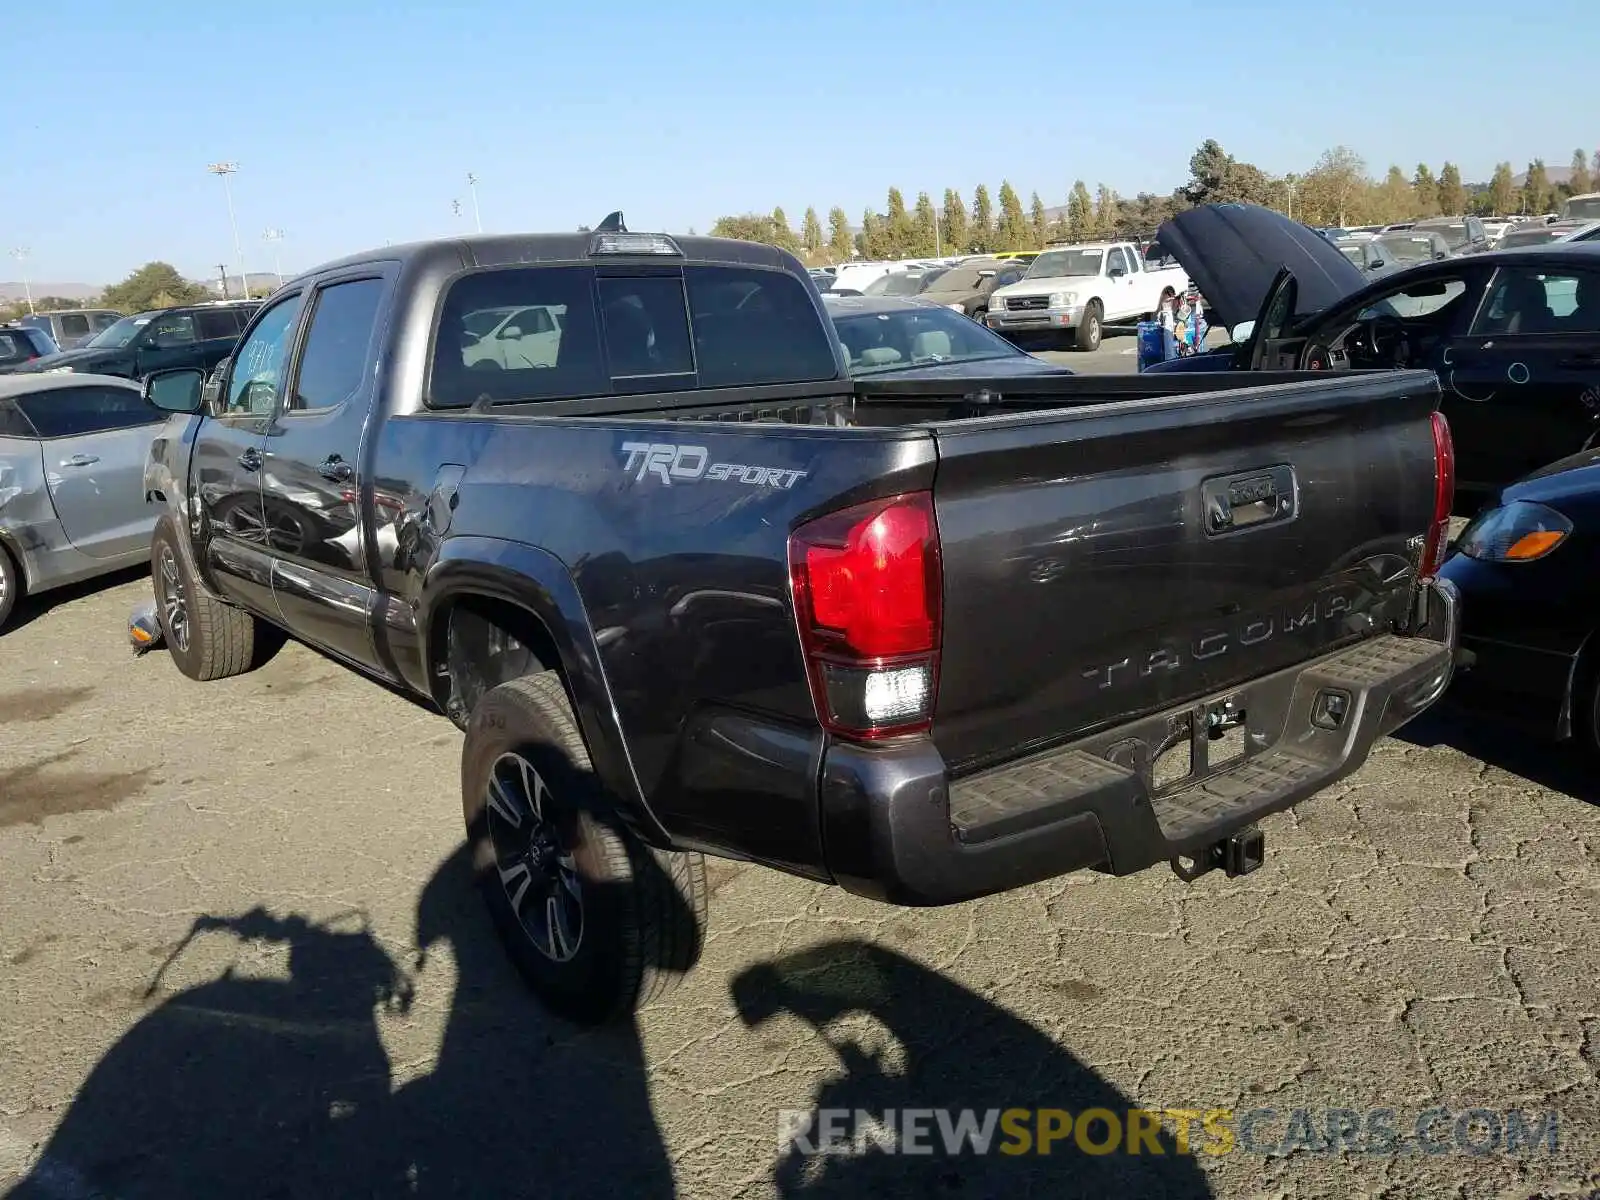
(281,1087)
(961,1052)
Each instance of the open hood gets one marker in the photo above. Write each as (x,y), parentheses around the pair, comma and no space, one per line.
(1233,252)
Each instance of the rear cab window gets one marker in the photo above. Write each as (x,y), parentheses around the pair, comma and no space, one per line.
(71,412)
(571,332)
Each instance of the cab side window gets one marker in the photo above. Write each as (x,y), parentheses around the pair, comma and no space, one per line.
(1527,301)
(175,329)
(260,361)
(335,359)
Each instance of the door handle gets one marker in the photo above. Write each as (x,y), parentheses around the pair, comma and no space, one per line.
(335,468)
(80,460)
(250,460)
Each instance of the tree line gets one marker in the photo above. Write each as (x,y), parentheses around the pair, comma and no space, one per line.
(154,285)
(1337,190)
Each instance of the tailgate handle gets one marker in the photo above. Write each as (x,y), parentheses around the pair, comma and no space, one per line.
(1239,502)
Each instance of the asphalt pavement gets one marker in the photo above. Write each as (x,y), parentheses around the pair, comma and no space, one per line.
(239,957)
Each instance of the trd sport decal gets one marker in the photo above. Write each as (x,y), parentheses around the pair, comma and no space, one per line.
(671,463)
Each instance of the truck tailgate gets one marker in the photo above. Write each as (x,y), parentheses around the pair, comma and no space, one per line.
(1109,561)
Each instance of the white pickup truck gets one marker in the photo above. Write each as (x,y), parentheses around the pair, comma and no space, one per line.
(1075,290)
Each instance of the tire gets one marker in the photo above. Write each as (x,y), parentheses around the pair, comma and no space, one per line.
(597,923)
(1088,331)
(10,586)
(207,638)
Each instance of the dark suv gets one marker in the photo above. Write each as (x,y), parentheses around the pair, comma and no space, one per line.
(193,335)
(21,344)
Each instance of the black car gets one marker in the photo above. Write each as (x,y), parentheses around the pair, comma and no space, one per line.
(1526,569)
(1514,335)
(966,287)
(1465,235)
(21,344)
(193,335)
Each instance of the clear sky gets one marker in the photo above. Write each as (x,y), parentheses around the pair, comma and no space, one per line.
(354,122)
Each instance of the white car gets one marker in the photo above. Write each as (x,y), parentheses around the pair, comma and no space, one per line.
(516,338)
(1076,290)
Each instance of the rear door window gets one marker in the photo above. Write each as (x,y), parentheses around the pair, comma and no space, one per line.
(70,412)
(73,325)
(15,347)
(335,357)
(215,323)
(12,423)
(1522,300)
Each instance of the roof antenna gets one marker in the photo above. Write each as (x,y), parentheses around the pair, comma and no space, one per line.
(612,224)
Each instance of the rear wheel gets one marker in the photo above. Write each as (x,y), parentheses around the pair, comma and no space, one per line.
(596,922)
(207,638)
(1088,333)
(10,586)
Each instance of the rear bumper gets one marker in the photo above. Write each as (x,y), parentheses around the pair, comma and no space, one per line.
(898,829)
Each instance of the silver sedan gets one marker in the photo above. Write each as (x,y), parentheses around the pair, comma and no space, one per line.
(72,505)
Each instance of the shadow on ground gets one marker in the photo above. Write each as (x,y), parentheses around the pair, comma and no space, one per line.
(1560,767)
(255,1087)
(30,608)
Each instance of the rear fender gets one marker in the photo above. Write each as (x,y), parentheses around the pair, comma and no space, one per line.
(537,581)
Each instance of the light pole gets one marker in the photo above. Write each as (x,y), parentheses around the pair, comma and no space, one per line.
(472,182)
(1288,182)
(275,236)
(20,253)
(222,170)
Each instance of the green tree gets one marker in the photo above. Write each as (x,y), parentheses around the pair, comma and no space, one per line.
(1080,213)
(1536,188)
(1038,223)
(872,239)
(899,233)
(925,240)
(811,233)
(1330,192)
(840,244)
(1107,212)
(750,227)
(1208,173)
(1452,196)
(782,235)
(1013,233)
(1399,199)
(957,236)
(1060,228)
(1579,179)
(154,285)
(1503,198)
(1594,169)
(982,221)
(1426,189)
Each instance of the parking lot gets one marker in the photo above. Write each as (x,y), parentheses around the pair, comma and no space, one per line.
(1419,938)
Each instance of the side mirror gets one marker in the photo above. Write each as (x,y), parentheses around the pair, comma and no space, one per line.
(509,333)
(1440,254)
(176,391)
(986,274)
(1117,272)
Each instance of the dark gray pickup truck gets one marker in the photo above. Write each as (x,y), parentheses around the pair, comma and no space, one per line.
(613,504)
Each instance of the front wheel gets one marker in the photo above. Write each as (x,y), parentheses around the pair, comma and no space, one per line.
(1089,328)
(10,586)
(596,922)
(207,638)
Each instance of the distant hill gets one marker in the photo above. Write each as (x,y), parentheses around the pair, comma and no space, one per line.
(41,287)
(1554,174)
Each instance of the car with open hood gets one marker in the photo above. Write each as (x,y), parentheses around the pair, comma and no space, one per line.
(1514,335)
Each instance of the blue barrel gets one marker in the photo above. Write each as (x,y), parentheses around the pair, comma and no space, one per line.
(1152,343)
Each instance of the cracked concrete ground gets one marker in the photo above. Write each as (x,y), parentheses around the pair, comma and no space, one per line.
(1420,937)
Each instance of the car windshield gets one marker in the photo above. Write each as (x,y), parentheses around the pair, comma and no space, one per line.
(1406,249)
(897,338)
(902,283)
(1529,237)
(116,336)
(1454,234)
(967,278)
(1066,264)
(1586,207)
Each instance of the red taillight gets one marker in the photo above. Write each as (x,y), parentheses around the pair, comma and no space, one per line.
(1444,496)
(867,587)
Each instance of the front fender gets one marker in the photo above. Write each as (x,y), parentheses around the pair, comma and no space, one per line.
(536,580)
